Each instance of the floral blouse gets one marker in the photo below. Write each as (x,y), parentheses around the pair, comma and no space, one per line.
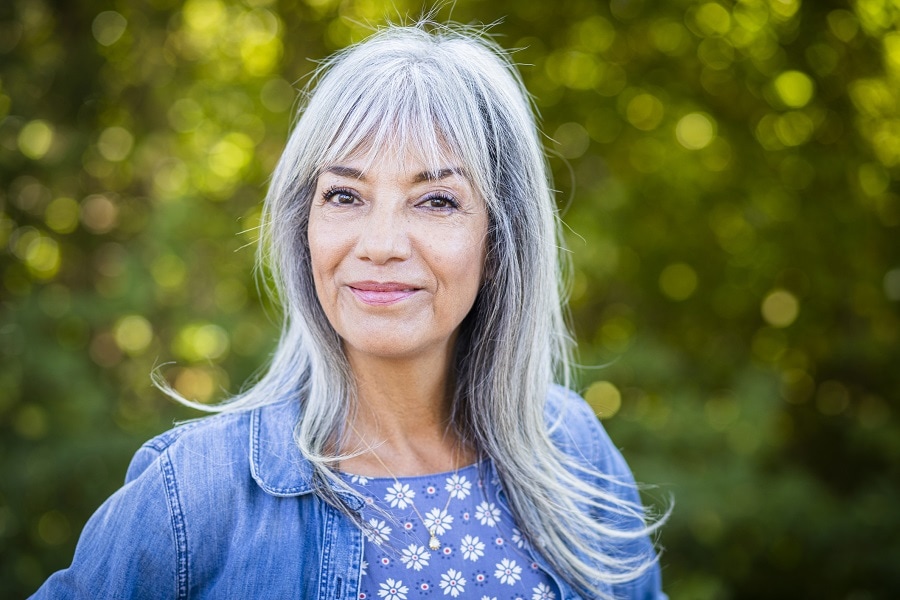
(479,551)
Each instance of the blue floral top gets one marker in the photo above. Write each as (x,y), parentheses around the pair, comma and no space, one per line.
(481,555)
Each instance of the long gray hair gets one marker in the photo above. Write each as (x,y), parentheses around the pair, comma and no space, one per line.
(441,92)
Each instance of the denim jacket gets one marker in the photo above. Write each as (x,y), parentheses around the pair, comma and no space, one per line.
(223,507)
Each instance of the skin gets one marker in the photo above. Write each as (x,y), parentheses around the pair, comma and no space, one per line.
(397,256)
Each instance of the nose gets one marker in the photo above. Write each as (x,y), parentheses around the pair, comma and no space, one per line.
(384,234)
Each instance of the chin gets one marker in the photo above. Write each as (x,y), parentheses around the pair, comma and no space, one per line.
(382,349)
(392,345)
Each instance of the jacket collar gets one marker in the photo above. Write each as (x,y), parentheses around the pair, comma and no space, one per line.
(276,463)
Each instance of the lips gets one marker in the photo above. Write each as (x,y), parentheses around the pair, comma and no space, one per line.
(380,293)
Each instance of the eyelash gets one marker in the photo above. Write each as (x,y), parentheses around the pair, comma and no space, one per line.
(450,202)
(333,191)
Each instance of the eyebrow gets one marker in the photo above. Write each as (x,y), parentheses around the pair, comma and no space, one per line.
(437,175)
(352,173)
(346,172)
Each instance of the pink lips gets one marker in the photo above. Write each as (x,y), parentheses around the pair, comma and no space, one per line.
(381,293)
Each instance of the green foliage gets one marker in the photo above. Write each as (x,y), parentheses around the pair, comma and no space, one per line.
(728,174)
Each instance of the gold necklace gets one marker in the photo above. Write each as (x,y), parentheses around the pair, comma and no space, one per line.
(433,541)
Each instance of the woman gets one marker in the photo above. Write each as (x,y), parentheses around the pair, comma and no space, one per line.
(407,440)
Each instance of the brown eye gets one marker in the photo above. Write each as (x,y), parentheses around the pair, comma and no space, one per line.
(340,196)
(440,203)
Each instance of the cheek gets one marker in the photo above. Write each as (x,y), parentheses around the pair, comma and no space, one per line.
(324,260)
(322,257)
(463,266)
(325,244)
(316,255)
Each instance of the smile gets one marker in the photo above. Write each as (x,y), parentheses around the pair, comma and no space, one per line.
(376,293)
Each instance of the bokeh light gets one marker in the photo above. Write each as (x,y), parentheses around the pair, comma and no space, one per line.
(780,308)
(108,26)
(604,398)
(678,281)
(794,88)
(133,334)
(35,139)
(695,131)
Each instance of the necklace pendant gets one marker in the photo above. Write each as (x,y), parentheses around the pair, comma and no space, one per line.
(434,543)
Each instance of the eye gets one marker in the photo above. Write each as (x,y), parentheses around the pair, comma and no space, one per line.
(439,202)
(340,196)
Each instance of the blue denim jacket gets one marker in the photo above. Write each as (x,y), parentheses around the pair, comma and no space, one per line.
(223,508)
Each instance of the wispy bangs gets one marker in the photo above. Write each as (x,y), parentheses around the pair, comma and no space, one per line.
(410,114)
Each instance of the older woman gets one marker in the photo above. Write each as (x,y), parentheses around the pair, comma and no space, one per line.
(407,440)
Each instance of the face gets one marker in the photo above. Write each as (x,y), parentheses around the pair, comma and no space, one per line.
(397,254)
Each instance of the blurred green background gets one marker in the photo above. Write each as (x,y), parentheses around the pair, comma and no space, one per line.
(728,172)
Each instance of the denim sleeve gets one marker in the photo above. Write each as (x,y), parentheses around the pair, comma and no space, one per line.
(649,585)
(594,445)
(128,548)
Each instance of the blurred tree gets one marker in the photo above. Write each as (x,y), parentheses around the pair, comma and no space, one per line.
(728,174)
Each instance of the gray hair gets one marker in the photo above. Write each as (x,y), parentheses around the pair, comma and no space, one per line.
(437,91)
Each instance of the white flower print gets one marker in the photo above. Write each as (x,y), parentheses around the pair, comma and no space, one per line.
(438,520)
(508,571)
(364,567)
(542,592)
(486,598)
(471,547)
(378,531)
(415,557)
(519,539)
(487,514)
(393,590)
(399,495)
(453,583)
(360,479)
(458,486)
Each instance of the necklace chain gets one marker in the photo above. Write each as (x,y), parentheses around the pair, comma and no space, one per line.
(434,541)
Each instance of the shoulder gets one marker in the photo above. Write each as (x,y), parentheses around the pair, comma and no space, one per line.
(571,421)
(576,430)
(252,447)
(187,495)
(137,540)
(579,434)
(219,435)
(563,403)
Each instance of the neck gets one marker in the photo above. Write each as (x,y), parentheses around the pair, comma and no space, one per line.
(404,397)
(401,425)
